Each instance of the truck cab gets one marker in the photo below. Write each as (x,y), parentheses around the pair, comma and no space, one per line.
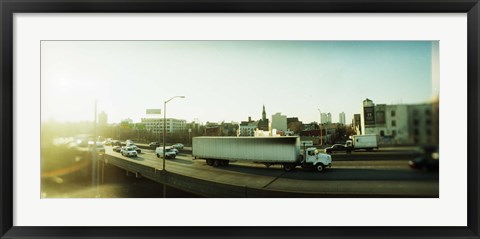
(349,143)
(312,157)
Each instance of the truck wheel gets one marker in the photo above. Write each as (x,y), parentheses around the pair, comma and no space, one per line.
(288,167)
(209,162)
(216,163)
(319,167)
(158,155)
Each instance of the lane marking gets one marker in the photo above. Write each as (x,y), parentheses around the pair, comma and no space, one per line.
(275,179)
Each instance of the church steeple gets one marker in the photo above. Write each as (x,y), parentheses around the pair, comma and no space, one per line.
(263,123)
(264,114)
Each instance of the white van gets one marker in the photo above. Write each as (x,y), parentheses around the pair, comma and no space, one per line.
(169,152)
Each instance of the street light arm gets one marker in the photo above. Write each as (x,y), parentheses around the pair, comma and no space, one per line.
(178,96)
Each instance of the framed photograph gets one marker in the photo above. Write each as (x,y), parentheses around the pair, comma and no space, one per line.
(239,119)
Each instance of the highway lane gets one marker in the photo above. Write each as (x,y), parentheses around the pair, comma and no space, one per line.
(185,165)
(357,175)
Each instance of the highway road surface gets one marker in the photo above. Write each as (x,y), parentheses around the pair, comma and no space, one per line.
(363,174)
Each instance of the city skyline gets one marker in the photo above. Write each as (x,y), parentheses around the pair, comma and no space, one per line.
(231,80)
(159,116)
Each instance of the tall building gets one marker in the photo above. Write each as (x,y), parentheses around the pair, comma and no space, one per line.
(323,118)
(102,119)
(326,118)
(279,122)
(341,118)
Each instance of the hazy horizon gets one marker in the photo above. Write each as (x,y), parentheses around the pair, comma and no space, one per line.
(232,80)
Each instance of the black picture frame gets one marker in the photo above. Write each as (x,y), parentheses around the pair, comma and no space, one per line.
(9,7)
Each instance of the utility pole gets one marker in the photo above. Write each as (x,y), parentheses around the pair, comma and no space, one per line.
(320,127)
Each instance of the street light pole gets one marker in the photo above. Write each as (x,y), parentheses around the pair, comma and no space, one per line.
(164,138)
(165,125)
(320,127)
(189,136)
(164,131)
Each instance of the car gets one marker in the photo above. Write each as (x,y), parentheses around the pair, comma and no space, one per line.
(100,149)
(178,146)
(136,148)
(108,141)
(428,161)
(154,144)
(169,152)
(128,151)
(117,148)
(425,162)
(116,143)
(337,148)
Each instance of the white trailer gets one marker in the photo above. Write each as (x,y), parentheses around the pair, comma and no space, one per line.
(286,151)
(367,142)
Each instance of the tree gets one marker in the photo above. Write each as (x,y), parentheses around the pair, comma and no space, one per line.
(296,127)
(342,133)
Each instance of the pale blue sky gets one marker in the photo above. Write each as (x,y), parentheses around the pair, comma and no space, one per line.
(230,80)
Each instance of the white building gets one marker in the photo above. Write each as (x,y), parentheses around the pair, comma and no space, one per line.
(155,125)
(279,122)
(401,124)
(390,123)
(341,118)
(326,118)
(248,129)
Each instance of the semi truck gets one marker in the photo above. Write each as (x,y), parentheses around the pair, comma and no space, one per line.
(284,150)
(357,142)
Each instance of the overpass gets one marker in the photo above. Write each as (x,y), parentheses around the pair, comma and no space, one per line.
(393,179)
